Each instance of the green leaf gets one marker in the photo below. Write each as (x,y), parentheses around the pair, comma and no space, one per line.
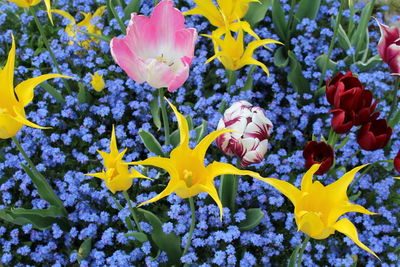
(115,14)
(358,38)
(155,112)
(82,95)
(396,119)
(320,61)
(257,11)
(227,191)
(128,219)
(281,58)
(343,143)
(84,249)
(53,92)
(45,191)
(97,36)
(37,221)
(201,131)
(307,9)
(132,7)
(295,76)
(170,243)
(190,122)
(293,257)
(366,66)
(174,138)
(248,84)
(355,196)
(279,20)
(253,218)
(141,237)
(151,143)
(343,39)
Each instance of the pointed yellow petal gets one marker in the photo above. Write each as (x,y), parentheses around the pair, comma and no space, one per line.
(182,124)
(24,90)
(347,228)
(252,61)
(202,147)
(48,7)
(21,118)
(163,163)
(100,175)
(338,211)
(306,182)
(219,168)
(287,189)
(113,143)
(339,187)
(136,174)
(65,15)
(167,191)
(100,11)
(207,9)
(212,191)
(7,76)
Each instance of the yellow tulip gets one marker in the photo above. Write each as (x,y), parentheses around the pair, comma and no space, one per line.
(29,3)
(188,175)
(71,29)
(231,51)
(317,208)
(228,10)
(13,100)
(97,82)
(117,175)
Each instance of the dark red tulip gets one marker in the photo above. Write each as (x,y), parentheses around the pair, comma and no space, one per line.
(343,90)
(342,121)
(319,153)
(374,135)
(396,162)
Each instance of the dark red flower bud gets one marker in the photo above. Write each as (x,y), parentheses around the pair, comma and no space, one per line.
(342,121)
(396,162)
(374,135)
(319,153)
(343,90)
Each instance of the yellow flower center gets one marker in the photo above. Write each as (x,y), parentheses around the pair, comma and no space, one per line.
(188,177)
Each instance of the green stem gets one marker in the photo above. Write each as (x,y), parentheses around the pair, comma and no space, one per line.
(164,115)
(22,151)
(133,213)
(291,16)
(395,99)
(128,220)
(191,202)
(115,14)
(335,33)
(303,247)
(47,44)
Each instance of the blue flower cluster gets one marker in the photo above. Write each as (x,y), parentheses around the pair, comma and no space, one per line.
(68,151)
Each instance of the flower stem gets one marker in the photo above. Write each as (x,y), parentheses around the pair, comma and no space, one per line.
(395,99)
(47,44)
(164,115)
(22,151)
(303,247)
(133,213)
(191,202)
(335,33)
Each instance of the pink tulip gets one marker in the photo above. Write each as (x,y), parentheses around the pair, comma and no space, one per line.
(389,47)
(252,130)
(157,50)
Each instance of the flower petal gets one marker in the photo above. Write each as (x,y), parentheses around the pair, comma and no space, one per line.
(219,168)
(306,182)
(182,124)
(339,187)
(205,143)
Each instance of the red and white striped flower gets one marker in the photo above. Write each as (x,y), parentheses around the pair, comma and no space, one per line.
(252,130)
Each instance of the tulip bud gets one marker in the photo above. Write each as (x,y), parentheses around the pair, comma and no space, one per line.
(97,82)
(374,135)
(252,130)
(389,47)
(396,162)
(319,153)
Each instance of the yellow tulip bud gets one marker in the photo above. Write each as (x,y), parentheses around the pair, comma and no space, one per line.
(97,82)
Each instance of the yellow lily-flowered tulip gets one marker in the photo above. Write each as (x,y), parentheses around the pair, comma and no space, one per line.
(317,208)
(29,3)
(97,82)
(13,100)
(71,29)
(188,175)
(117,175)
(231,52)
(228,11)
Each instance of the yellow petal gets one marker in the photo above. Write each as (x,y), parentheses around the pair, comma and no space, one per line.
(167,191)
(21,118)
(207,9)
(347,228)
(48,7)
(311,224)
(25,3)
(212,191)
(306,182)
(9,127)
(338,211)
(182,124)
(7,78)
(287,189)
(113,143)
(219,168)
(163,163)
(24,90)
(339,187)
(135,174)
(100,11)
(204,144)
(65,15)
(252,61)
(100,175)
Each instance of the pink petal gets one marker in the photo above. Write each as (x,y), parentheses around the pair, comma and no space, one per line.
(178,80)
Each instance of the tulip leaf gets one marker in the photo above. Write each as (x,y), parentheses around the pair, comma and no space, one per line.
(155,112)
(281,58)
(38,221)
(358,38)
(253,218)
(45,191)
(132,7)
(343,39)
(366,66)
(82,94)
(257,11)
(227,191)
(53,92)
(170,243)
(151,143)
(84,249)
(174,138)
(307,9)
(396,119)
(201,131)
(141,237)
(248,84)
(343,143)
(97,36)
(128,219)
(279,20)
(355,196)
(293,257)
(320,61)
(115,15)
(295,76)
